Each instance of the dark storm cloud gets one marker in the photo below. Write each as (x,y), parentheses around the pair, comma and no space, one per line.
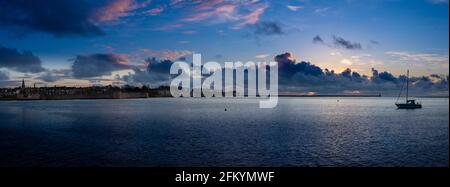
(287,66)
(383,76)
(49,77)
(318,39)
(262,29)
(94,65)
(9,83)
(306,77)
(268,28)
(24,62)
(4,75)
(341,42)
(55,75)
(159,66)
(156,73)
(285,58)
(60,18)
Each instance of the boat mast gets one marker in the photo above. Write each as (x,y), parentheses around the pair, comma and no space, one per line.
(407,83)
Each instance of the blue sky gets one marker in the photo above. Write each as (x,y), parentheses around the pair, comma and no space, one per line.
(389,35)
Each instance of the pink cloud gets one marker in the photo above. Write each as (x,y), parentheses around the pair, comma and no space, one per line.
(117,9)
(239,13)
(219,11)
(175,2)
(205,5)
(107,48)
(198,17)
(174,55)
(163,54)
(122,59)
(209,9)
(252,17)
(154,11)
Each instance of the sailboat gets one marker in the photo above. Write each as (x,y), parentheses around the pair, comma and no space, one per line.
(410,103)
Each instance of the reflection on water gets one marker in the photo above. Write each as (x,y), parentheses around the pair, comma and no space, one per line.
(199,132)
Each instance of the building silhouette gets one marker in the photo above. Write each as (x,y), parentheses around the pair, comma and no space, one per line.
(93,92)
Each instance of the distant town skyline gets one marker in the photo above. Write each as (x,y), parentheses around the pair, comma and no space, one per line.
(118,42)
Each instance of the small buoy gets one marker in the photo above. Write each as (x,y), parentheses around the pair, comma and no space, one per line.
(225,109)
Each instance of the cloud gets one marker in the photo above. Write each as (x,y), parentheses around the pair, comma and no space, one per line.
(60,18)
(48,77)
(419,57)
(156,73)
(321,10)
(317,40)
(218,10)
(438,1)
(294,8)
(159,66)
(382,77)
(253,16)
(285,58)
(268,28)
(304,77)
(155,69)
(335,54)
(262,56)
(115,9)
(184,42)
(4,75)
(189,32)
(346,62)
(437,76)
(338,42)
(24,62)
(155,11)
(288,68)
(168,27)
(240,13)
(341,42)
(55,75)
(95,65)
(262,29)
(64,18)
(163,54)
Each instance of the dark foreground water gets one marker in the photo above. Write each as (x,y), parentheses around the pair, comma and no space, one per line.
(198,132)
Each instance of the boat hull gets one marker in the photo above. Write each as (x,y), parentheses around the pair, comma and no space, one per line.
(408,106)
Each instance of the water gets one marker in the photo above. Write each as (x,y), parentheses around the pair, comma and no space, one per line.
(199,132)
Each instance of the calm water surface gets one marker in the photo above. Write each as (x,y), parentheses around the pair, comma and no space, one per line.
(199,132)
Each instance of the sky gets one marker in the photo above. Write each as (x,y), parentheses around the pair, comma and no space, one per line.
(82,43)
